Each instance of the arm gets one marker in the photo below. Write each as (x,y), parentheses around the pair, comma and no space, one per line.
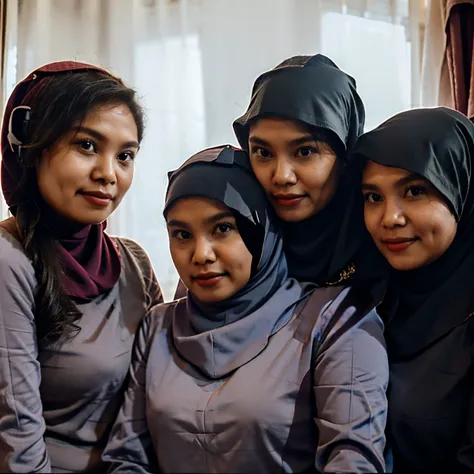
(130,447)
(22,447)
(350,381)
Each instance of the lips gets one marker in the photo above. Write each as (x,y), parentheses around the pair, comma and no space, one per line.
(208,279)
(97,198)
(399,244)
(288,200)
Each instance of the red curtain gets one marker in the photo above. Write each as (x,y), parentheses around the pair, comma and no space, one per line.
(460,57)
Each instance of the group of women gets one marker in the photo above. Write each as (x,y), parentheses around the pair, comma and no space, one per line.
(327,283)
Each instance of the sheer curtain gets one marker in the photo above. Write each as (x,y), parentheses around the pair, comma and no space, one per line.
(193,63)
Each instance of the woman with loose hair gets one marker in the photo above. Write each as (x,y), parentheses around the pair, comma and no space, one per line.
(71,296)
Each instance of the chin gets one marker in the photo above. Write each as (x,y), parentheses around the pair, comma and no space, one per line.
(212,296)
(404,265)
(89,219)
(209,297)
(292,216)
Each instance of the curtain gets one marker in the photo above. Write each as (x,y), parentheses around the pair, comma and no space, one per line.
(460,58)
(193,63)
(447,72)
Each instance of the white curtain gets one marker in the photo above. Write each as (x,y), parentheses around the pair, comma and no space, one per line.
(193,63)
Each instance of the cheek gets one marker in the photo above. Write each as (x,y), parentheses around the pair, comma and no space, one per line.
(263,173)
(63,170)
(439,226)
(125,179)
(239,258)
(371,219)
(179,255)
(317,173)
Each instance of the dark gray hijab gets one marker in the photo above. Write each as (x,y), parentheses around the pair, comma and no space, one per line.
(437,144)
(324,98)
(220,337)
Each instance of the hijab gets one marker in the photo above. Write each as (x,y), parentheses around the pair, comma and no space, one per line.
(424,304)
(220,337)
(321,96)
(89,257)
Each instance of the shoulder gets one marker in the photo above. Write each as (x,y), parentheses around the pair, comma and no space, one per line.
(349,315)
(333,311)
(160,316)
(134,258)
(130,248)
(13,259)
(138,266)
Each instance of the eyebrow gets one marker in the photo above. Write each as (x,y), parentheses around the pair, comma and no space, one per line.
(219,216)
(215,218)
(294,142)
(402,181)
(100,137)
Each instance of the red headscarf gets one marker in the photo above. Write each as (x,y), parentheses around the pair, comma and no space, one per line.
(89,257)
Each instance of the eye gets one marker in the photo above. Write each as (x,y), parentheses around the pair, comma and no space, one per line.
(224,228)
(260,152)
(372,197)
(306,151)
(87,145)
(126,156)
(181,234)
(415,191)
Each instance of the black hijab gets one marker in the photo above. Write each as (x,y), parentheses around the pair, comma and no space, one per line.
(321,248)
(437,144)
(219,337)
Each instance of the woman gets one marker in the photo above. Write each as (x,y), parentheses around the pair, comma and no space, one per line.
(71,296)
(248,373)
(419,209)
(303,120)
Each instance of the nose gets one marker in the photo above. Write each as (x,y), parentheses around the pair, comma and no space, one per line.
(105,169)
(203,252)
(393,215)
(284,174)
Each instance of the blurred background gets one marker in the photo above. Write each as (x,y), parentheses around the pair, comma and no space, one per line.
(193,63)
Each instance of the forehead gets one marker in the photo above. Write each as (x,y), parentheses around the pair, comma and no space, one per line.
(277,126)
(381,174)
(195,210)
(115,119)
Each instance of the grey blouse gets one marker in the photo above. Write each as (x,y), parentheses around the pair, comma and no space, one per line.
(57,405)
(312,399)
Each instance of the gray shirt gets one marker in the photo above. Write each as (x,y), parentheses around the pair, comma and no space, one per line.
(312,398)
(57,405)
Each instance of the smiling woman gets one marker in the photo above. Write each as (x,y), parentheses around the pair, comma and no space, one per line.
(409,219)
(419,209)
(296,166)
(250,370)
(71,296)
(302,122)
(87,172)
(207,249)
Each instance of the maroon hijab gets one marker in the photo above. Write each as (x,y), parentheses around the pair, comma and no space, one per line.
(89,257)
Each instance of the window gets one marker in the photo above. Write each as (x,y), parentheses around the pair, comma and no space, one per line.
(194,63)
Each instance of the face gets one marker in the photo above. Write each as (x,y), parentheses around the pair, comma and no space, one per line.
(299,174)
(86,173)
(207,249)
(409,220)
